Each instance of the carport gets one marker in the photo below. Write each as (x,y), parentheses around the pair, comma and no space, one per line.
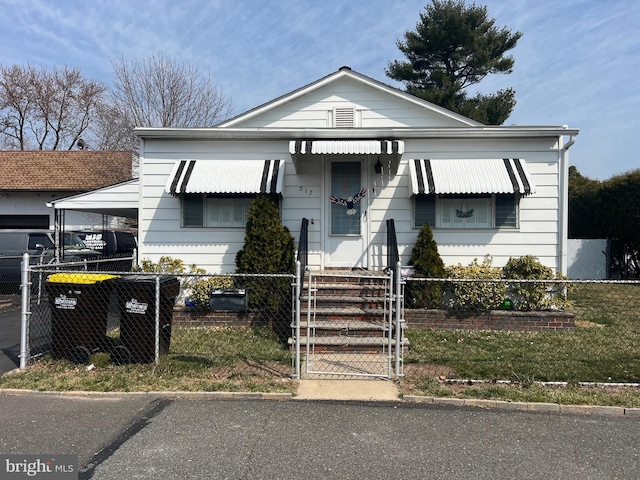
(119,200)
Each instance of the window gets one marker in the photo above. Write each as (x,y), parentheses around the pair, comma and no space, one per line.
(496,211)
(207,211)
(36,239)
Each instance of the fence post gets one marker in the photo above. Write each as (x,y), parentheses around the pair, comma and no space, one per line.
(398,280)
(297,318)
(25,285)
(157,315)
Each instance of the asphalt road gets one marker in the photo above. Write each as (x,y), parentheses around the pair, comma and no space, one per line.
(144,437)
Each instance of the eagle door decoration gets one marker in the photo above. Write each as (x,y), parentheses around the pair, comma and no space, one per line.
(349,202)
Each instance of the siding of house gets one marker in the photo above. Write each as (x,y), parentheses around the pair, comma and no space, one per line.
(389,197)
(159,227)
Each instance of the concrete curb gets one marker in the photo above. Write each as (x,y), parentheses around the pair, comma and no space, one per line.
(278,396)
(527,406)
(409,399)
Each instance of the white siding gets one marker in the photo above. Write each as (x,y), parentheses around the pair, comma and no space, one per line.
(389,197)
(539,220)
(373,109)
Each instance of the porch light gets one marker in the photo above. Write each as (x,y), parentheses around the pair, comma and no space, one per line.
(378,166)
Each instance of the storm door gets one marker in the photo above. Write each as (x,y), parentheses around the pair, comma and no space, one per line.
(347,235)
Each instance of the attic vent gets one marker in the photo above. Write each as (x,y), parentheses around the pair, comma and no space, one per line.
(344,117)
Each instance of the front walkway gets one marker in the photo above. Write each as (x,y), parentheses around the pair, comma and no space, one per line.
(347,389)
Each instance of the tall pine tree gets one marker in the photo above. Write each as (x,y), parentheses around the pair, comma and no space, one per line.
(453,47)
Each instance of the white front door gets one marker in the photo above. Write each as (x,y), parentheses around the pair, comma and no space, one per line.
(346,207)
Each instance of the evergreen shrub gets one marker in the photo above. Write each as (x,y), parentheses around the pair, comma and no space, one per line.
(268,248)
(427,263)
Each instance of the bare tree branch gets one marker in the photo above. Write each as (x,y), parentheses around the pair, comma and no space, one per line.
(162,92)
(46,109)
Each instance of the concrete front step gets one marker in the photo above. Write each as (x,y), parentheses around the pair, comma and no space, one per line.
(349,314)
(348,344)
(342,312)
(345,328)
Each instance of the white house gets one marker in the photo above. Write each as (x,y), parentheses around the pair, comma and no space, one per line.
(348,153)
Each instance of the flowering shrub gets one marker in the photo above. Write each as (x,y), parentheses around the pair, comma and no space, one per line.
(536,294)
(475,295)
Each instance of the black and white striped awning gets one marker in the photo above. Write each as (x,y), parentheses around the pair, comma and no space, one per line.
(470,176)
(346,147)
(226,177)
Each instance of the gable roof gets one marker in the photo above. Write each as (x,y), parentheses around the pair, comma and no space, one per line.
(331,78)
(60,170)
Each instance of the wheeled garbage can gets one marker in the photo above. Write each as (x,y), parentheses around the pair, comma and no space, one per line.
(137,305)
(79,304)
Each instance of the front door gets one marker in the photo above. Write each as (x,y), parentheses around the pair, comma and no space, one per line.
(347,209)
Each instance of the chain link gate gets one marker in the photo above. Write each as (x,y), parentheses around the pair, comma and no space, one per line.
(351,324)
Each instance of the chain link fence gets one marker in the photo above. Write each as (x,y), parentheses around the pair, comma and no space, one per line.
(551,330)
(217,325)
(227,326)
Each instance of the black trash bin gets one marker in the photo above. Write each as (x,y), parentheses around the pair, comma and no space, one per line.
(79,305)
(137,305)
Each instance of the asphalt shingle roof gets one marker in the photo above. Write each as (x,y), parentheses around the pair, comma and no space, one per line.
(63,169)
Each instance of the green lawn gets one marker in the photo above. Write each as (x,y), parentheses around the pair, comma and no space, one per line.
(605,347)
(200,359)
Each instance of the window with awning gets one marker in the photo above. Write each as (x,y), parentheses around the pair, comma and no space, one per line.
(226,177)
(218,193)
(468,193)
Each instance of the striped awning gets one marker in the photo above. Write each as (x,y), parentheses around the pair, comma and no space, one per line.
(226,177)
(470,176)
(346,147)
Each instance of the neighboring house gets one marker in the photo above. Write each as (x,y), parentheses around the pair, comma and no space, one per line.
(31,179)
(348,153)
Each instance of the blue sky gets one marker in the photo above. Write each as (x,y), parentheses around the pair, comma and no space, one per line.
(576,64)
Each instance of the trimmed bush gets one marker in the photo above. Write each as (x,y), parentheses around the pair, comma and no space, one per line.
(537,294)
(470,296)
(268,248)
(427,263)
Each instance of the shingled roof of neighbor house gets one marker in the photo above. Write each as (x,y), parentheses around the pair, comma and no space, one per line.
(59,170)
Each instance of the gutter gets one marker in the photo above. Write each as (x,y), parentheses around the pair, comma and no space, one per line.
(401,133)
(564,199)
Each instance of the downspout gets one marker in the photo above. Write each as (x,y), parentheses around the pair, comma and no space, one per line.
(564,203)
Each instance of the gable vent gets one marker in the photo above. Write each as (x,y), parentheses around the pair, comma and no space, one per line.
(344,117)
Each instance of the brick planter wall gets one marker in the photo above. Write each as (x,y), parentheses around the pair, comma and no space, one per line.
(185,316)
(555,321)
(545,321)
